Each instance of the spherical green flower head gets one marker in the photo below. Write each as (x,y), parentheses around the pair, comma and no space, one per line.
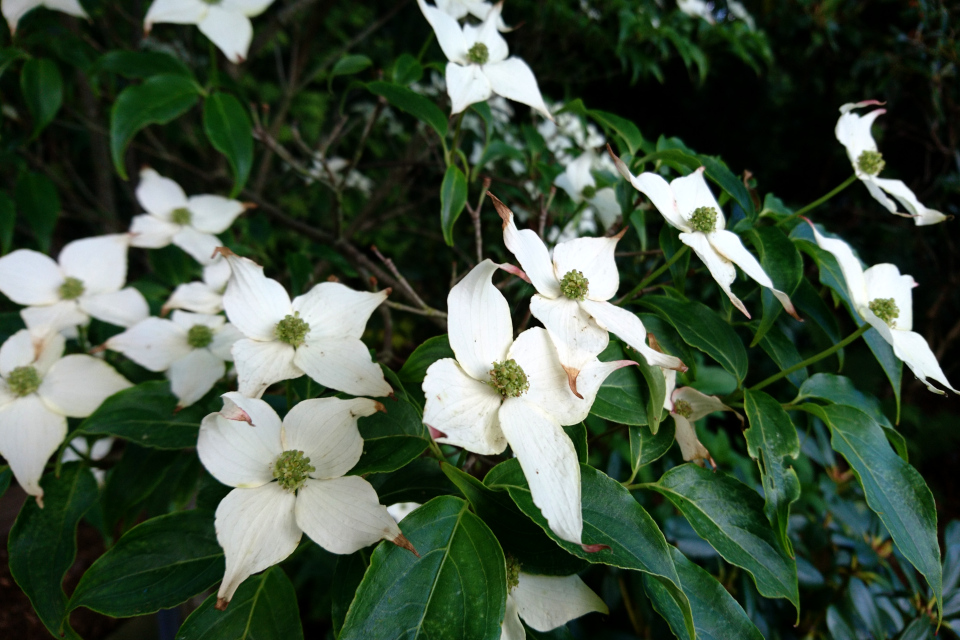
(199,336)
(292,330)
(704,219)
(682,408)
(885,309)
(513,573)
(71,289)
(23,381)
(478,54)
(589,191)
(574,285)
(509,379)
(292,469)
(181,216)
(871,162)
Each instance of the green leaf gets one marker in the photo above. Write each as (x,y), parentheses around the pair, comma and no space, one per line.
(350,64)
(42,89)
(892,365)
(414,370)
(670,243)
(620,399)
(718,172)
(9,55)
(782,262)
(5,476)
(142,64)
(39,204)
(8,222)
(391,439)
(419,481)
(811,306)
(494,151)
(702,328)
(645,447)
(132,480)
(263,608)
(347,575)
(43,544)
(453,198)
(729,515)
(413,103)
(146,415)
(657,387)
(840,390)
(783,351)
(159,100)
(228,128)
(772,441)
(627,131)
(407,69)
(156,565)
(457,588)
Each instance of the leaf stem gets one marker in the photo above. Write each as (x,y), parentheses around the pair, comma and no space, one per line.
(653,276)
(812,359)
(819,201)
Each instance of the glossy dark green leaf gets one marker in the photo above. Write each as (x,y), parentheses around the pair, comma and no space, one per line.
(263,608)
(620,399)
(407,69)
(578,436)
(815,312)
(718,172)
(782,262)
(42,89)
(627,131)
(6,475)
(496,150)
(9,55)
(347,575)
(453,198)
(140,471)
(229,130)
(657,391)
(840,390)
(8,221)
(419,481)
(670,243)
(645,446)
(141,64)
(391,439)
(351,64)
(670,341)
(38,204)
(414,370)
(783,351)
(455,589)
(43,543)
(413,103)
(892,365)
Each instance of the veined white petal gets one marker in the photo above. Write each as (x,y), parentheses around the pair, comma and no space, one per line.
(466,85)
(479,323)
(335,311)
(325,429)
(213,214)
(200,246)
(192,376)
(916,354)
(223,341)
(593,257)
(658,191)
(463,409)
(198,297)
(627,326)
(261,364)
(720,268)
(488,34)
(701,405)
(549,463)
(240,454)
(691,448)
(30,277)
(63,316)
(922,216)
(547,602)
(849,266)
(77,384)
(550,384)
(853,132)
(154,343)
(512,628)
(100,263)
(254,303)
(257,529)
(230,32)
(343,515)
(605,202)
(257,413)
(160,196)
(530,251)
(885,281)
(692,192)
(123,308)
(513,79)
(29,434)
(729,246)
(150,232)
(343,364)
(577,337)
(448,32)
(249,8)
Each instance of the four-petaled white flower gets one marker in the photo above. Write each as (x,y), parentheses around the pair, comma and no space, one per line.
(883,297)
(544,602)
(572,294)
(13,10)
(87,282)
(580,185)
(202,297)
(39,389)
(225,22)
(317,334)
(479,66)
(460,9)
(190,347)
(501,391)
(190,223)
(853,132)
(289,479)
(687,204)
(687,405)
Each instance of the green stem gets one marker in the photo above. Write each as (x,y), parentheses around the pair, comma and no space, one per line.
(812,359)
(821,200)
(435,448)
(653,276)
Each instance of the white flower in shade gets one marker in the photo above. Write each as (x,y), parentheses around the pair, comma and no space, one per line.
(479,66)
(883,297)
(853,132)
(202,297)
(544,602)
(317,334)
(225,22)
(738,11)
(697,9)
(39,390)
(81,449)
(687,204)
(87,281)
(460,9)
(578,182)
(190,223)
(13,10)
(501,391)
(190,347)
(289,478)
(572,296)
(687,405)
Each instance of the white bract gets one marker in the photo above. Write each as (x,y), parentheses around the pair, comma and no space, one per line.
(883,297)
(544,602)
(81,449)
(288,478)
(87,282)
(13,10)
(479,66)
(190,347)
(190,223)
(697,9)
(578,182)
(39,389)
(853,132)
(460,9)
(202,297)
(225,22)
(501,391)
(687,204)
(687,405)
(572,293)
(317,334)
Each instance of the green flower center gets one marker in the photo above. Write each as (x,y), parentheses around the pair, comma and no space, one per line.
(513,573)
(589,191)
(292,469)
(574,285)
(23,381)
(182,216)
(885,309)
(199,336)
(71,289)
(682,408)
(292,330)
(871,162)
(478,54)
(509,379)
(211,2)
(704,219)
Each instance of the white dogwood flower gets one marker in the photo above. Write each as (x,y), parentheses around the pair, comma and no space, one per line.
(190,223)
(479,66)
(317,334)
(225,22)
(39,389)
(883,297)
(572,296)
(13,10)
(853,132)
(687,405)
(578,182)
(460,9)
(687,204)
(191,348)
(288,478)
(202,297)
(501,391)
(87,281)
(697,9)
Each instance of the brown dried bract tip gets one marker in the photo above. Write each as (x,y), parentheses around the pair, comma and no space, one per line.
(100,349)
(247,206)
(594,548)
(502,209)
(572,380)
(620,234)
(712,463)
(388,290)
(332,278)
(379,406)
(221,604)
(403,543)
(223,251)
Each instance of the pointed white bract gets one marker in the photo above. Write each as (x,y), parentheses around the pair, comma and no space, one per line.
(546,602)
(86,282)
(191,348)
(39,389)
(288,478)
(883,297)
(317,334)
(13,10)
(225,22)
(461,9)
(578,182)
(500,391)
(202,297)
(479,66)
(697,9)
(853,132)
